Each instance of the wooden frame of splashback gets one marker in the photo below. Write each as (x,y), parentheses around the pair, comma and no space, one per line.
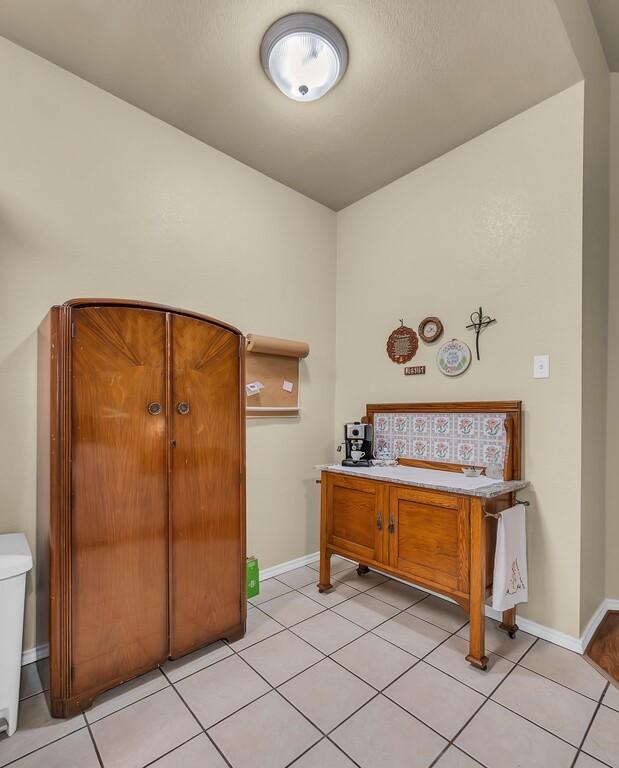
(512,409)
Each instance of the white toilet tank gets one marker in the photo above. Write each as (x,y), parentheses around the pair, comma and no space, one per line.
(15,562)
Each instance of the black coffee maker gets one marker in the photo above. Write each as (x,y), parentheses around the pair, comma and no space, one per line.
(358,442)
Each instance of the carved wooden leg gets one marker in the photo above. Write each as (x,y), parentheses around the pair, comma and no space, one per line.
(362,570)
(509,622)
(324,585)
(476,655)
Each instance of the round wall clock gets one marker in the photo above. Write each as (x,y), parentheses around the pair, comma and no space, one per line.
(430,329)
(402,344)
(453,358)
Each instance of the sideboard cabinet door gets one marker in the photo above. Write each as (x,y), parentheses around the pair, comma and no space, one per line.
(429,538)
(358,516)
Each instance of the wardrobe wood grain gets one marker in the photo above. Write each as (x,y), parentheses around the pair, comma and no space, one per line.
(107,484)
(205,479)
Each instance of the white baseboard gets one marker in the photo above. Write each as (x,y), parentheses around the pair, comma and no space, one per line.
(577,644)
(34,654)
(275,570)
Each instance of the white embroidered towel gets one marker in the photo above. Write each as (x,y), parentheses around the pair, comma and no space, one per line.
(510,583)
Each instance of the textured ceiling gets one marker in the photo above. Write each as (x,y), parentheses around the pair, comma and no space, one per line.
(424,76)
(606,17)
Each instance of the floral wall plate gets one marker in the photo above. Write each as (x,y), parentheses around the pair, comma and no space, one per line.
(453,358)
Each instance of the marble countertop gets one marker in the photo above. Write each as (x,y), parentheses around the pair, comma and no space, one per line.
(433,479)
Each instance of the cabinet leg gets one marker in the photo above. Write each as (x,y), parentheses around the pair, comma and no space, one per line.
(362,570)
(477,650)
(509,622)
(325,572)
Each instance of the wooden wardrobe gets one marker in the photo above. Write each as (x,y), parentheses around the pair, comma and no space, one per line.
(141,491)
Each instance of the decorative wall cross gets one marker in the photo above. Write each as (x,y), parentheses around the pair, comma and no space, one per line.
(479,321)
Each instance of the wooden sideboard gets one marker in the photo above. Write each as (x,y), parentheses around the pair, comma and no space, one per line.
(439,538)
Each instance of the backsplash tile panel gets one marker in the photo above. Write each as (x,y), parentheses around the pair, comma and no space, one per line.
(454,438)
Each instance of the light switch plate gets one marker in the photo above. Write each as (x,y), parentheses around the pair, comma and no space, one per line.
(541,366)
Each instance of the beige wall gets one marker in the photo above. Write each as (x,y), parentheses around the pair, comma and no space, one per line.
(612,456)
(99,199)
(583,36)
(495,222)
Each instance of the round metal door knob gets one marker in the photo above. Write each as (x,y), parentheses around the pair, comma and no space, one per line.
(154,409)
(183,408)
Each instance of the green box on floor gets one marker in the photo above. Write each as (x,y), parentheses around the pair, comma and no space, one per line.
(253,577)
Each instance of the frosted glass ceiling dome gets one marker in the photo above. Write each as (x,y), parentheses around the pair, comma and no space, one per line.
(304,55)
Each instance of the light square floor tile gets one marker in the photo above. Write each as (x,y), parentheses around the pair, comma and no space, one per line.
(327,631)
(194,662)
(324,755)
(412,634)
(556,708)
(280,657)
(366,611)
(602,740)
(611,697)
(501,643)
(500,739)
(299,577)
(259,627)
(435,698)
(338,594)
(74,751)
(125,694)
(35,728)
(374,660)
(564,667)
(397,594)
(197,753)
(326,693)
(268,590)
(291,608)
(338,564)
(267,733)
(585,761)
(30,681)
(221,689)
(442,613)
(382,734)
(455,758)
(144,731)
(360,583)
(450,658)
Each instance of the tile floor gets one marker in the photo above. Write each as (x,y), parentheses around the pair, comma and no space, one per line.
(369,675)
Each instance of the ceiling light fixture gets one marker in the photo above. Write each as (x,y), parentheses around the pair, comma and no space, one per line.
(305,55)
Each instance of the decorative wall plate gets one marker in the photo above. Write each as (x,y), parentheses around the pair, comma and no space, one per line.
(430,329)
(453,358)
(402,344)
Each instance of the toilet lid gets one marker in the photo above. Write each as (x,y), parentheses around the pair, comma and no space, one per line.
(15,555)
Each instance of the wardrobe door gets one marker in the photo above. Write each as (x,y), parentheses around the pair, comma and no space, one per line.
(206,528)
(119,567)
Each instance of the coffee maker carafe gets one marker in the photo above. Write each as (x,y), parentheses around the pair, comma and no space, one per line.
(358,442)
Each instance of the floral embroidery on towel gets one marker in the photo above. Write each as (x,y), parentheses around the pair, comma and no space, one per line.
(515,582)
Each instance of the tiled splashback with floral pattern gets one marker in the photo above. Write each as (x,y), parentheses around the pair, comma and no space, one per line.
(455,438)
